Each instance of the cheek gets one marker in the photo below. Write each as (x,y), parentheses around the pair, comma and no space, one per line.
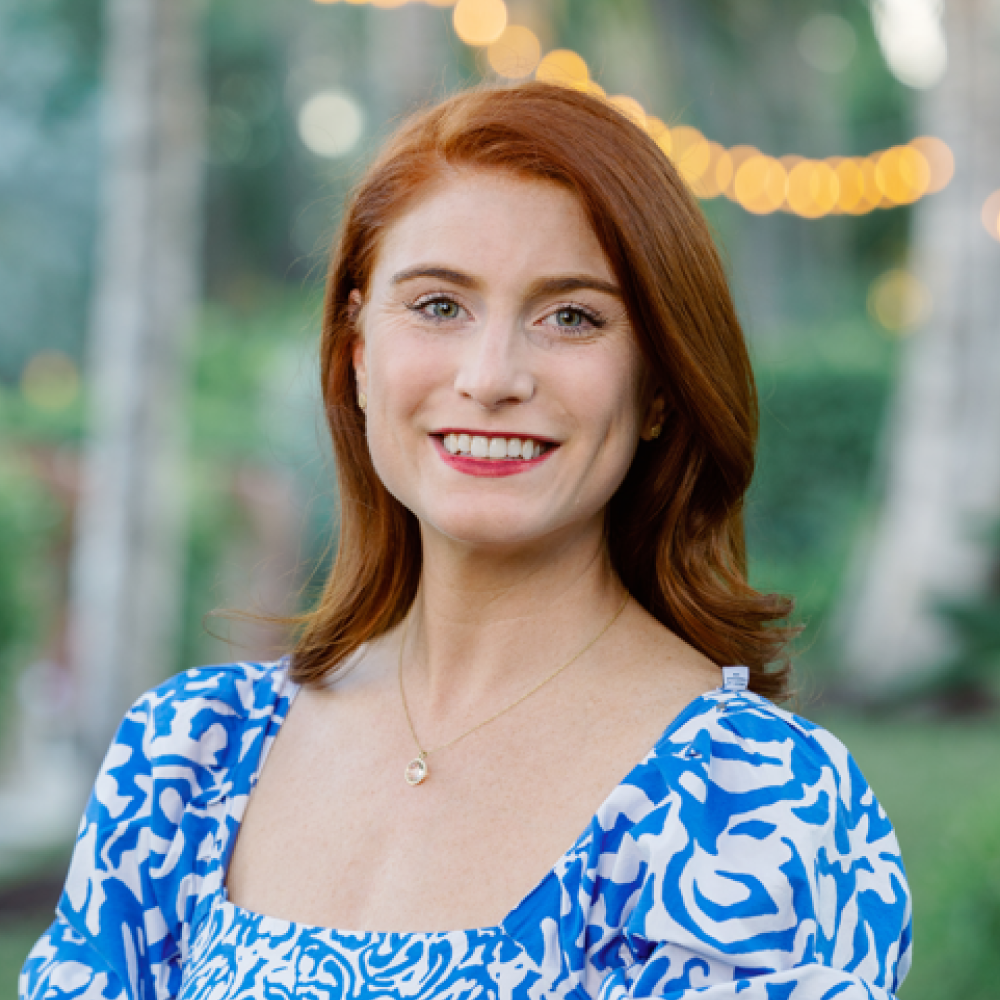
(404,374)
(614,390)
(403,370)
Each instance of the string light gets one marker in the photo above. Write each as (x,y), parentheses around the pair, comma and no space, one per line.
(479,22)
(762,184)
(564,67)
(759,183)
(516,53)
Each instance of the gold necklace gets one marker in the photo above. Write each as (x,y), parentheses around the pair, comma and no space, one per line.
(417,770)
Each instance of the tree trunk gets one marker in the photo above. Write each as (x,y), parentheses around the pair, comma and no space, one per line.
(942,476)
(127,564)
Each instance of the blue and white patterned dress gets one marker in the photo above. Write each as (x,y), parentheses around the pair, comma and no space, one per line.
(745,857)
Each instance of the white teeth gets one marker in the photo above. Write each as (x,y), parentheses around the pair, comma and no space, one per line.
(494,448)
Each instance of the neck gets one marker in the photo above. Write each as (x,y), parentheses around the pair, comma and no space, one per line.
(485,627)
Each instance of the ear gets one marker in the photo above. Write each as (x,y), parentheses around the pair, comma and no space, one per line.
(655,414)
(354,307)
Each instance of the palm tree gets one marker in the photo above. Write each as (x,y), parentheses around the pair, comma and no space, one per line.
(941,492)
(129,530)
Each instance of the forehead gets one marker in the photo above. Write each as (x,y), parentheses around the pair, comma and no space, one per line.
(485,222)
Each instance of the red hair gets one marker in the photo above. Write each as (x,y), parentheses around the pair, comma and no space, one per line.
(675,526)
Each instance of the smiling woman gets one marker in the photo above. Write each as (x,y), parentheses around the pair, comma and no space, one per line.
(674,530)
(523,746)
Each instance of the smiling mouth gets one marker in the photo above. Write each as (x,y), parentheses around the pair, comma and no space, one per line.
(494,448)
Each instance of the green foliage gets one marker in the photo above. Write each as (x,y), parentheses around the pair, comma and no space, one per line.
(820,419)
(29,520)
(253,404)
(48,182)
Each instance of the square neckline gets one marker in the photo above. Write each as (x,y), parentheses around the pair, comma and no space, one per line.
(692,709)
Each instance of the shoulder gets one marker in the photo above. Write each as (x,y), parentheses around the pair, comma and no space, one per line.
(757,824)
(196,737)
(746,746)
(183,762)
(740,785)
(203,715)
(735,757)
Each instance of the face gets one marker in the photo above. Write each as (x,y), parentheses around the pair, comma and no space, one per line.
(504,385)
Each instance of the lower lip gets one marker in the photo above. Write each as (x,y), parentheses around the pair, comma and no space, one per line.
(489,468)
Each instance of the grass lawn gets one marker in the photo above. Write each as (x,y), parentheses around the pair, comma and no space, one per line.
(940,784)
(16,939)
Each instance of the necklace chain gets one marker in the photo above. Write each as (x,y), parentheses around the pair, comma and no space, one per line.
(421,759)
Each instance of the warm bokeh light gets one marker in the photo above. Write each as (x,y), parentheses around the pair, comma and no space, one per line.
(630,108)
(717,175)
(789,162)
(939,158)
(760,184)
(331,123)
(50,381)
(738,155)
(659,133)
(991,215)
(899,301)
(857,194)
(516,53)
(564,67)
(479,22)
(813,189)
(902,174)
(690,152)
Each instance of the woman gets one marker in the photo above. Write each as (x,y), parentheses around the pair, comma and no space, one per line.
(544,420)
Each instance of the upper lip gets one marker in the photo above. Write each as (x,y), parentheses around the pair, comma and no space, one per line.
(496,434)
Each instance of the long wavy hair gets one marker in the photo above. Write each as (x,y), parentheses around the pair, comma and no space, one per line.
(674,528)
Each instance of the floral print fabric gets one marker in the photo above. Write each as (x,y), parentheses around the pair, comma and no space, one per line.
(744,857)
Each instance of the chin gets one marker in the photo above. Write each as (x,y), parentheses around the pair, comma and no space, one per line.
(490,528)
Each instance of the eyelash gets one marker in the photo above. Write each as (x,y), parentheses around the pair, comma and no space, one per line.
(592,316)
(419,305)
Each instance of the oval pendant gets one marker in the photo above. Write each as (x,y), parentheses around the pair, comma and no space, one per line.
(416,771)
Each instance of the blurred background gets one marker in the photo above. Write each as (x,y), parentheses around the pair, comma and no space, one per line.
(171,175)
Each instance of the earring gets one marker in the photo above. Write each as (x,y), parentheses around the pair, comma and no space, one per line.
(654,431)
(362,400)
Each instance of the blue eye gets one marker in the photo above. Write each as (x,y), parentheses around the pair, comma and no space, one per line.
(442,309)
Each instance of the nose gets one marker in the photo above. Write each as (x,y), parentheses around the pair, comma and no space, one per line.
(494,368)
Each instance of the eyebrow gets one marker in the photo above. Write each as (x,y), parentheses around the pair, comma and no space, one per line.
(545,286)
(573,283)
(442,273)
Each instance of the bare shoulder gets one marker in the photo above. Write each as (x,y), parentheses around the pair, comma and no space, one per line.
(657,665)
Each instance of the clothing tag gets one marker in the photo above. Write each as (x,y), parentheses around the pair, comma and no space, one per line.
(735,678)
